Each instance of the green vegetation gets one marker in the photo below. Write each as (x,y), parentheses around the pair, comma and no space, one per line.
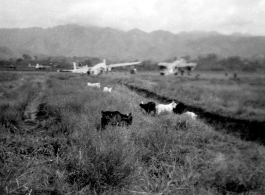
(66,153)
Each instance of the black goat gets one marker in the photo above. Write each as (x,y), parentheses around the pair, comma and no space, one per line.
(115,118)
(149,107)
(179,109)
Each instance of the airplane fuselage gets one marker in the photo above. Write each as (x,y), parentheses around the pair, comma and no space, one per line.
(180,65)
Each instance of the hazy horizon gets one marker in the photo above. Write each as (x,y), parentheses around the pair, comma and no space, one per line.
(88,25)
(225,17)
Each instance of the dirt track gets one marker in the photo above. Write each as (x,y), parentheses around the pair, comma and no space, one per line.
(31,110)
(245,129)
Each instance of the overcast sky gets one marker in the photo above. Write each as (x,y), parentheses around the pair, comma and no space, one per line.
(225,16)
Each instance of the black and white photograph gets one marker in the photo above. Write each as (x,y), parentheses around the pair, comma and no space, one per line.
(132,97)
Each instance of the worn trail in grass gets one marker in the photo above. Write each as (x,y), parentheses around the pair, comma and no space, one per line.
(245,129)
(40,83)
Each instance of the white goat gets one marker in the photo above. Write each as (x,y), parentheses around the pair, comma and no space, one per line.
(190,114)
(165,107)
(107,89)
(96,85)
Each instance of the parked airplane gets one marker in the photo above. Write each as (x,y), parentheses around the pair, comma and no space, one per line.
(83,69)
(38,66)
(178,65)
(11,66)
(98,68)
(102,67)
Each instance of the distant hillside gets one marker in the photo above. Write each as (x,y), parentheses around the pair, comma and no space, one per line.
(75,40)
(6,53)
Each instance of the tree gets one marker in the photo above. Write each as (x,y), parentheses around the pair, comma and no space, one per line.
(207,62)
(234,63)
(19,61)
(26,57)
(186,57)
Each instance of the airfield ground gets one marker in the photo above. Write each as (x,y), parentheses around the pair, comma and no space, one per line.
(62,150)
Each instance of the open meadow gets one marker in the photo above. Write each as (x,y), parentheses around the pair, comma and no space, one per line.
(51,142)
(241,98)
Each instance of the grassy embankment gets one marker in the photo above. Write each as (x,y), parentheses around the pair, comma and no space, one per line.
(167,154)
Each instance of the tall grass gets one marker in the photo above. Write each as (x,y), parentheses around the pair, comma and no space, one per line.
(166,154)
(13,104)
(7,76)
(235,98)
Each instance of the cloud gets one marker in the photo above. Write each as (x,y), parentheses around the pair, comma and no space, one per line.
(225,16)
(123,14)
(28,13)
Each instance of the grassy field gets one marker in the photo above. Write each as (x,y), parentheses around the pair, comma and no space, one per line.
(241,98)
(64,152)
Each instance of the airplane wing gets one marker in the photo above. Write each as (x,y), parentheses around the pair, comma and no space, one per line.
(66,70)
(123,64)
(163,64)
(182,65)
(178,63)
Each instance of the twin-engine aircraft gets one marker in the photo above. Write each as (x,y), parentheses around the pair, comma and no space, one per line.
(102,67)
(179,65)
(98,68)
(39,66)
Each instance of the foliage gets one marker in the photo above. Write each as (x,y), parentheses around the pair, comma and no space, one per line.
(148,65)
(233,63)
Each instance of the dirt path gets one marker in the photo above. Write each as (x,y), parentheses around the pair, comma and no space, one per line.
(39,83)
(249,130)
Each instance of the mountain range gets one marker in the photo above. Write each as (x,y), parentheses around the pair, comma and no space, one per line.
(75,40)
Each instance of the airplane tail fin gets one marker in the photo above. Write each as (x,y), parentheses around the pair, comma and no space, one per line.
(74,64)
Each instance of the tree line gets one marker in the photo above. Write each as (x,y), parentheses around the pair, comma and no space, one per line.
(55,62)
(204,62)
(233,63)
